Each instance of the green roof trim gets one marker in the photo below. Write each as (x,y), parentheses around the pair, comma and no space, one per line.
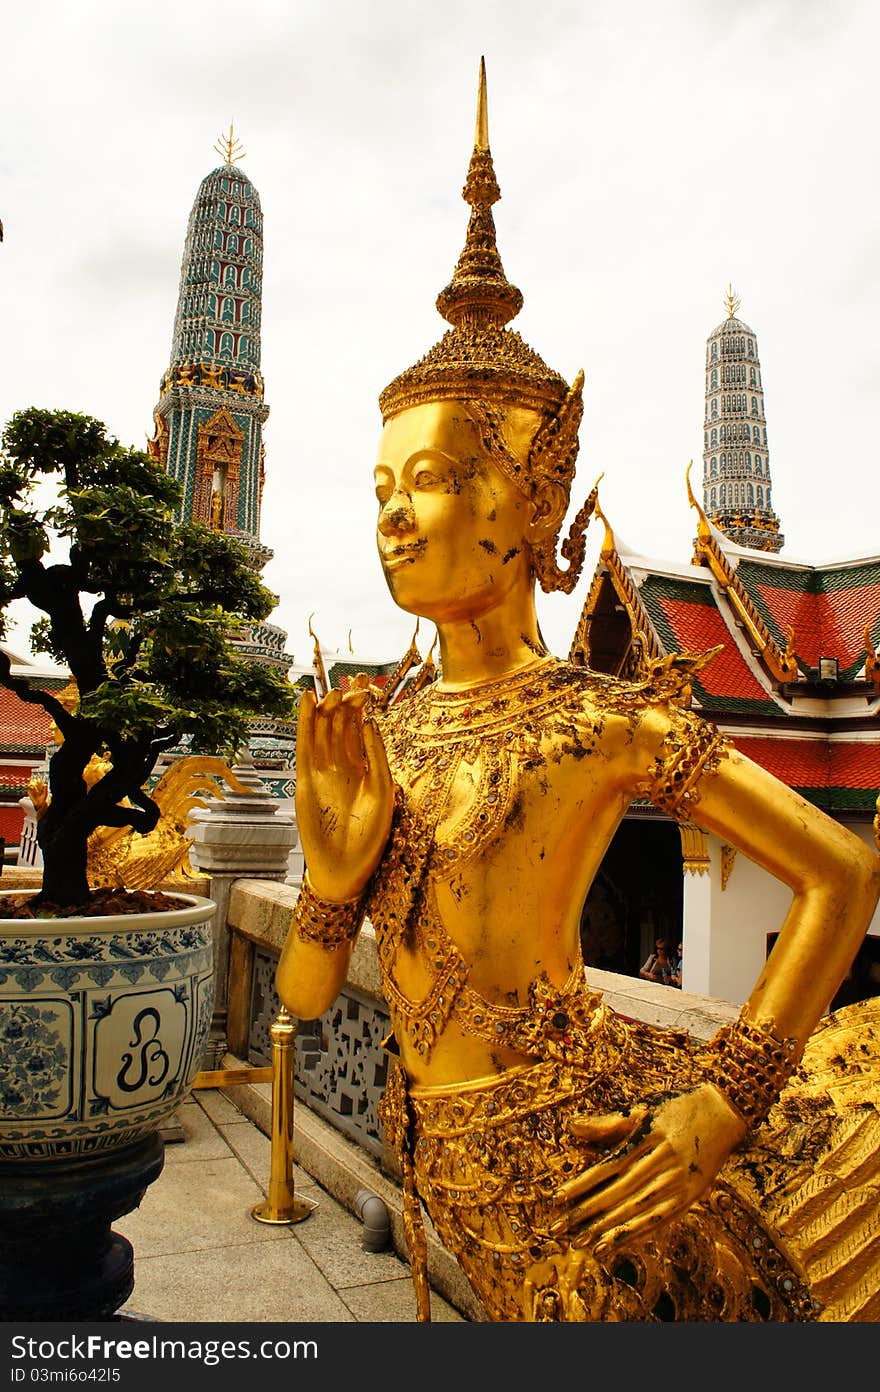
(836,799)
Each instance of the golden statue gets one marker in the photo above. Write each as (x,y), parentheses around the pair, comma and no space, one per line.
(579,1166)
(122,858)
(217,504)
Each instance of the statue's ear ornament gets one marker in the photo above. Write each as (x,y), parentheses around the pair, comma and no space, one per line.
(548,572)
(554,449)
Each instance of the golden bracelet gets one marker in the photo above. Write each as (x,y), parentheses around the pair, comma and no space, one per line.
(751,1065)
(323,921)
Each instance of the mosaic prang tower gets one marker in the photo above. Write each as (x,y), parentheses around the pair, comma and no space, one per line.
(737,495)
(211,410)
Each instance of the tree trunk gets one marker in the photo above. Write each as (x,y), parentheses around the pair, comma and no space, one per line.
(65,881)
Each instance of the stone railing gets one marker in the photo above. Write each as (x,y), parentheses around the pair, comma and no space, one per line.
(340,1062)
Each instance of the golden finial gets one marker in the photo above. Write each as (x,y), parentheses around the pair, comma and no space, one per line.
(607,548)
(732,301)
(426,673)
(687,479)
(411,658)
(872,659)
(479,292)
(481,134)
(230,147)
(704,531)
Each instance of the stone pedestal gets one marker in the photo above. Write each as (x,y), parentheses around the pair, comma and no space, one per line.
(239,836)
(59,1258)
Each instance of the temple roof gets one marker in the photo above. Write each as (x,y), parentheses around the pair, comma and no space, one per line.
(25,727)
(838,775)
(687,619)
(826,608)
(772,619)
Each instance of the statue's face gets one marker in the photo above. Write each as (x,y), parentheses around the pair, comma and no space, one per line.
(452,527)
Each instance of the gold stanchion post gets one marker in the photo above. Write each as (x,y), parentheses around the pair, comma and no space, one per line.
(282,1204)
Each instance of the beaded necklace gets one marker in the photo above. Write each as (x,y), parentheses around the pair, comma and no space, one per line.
(460,756)
(431,738)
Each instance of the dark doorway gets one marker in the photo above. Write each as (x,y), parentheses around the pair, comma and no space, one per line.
(636,897)
(863,978)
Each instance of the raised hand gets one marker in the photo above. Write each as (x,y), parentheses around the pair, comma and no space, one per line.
(664,1162)
(344,792)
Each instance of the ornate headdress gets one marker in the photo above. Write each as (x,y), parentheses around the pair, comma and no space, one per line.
(486,365)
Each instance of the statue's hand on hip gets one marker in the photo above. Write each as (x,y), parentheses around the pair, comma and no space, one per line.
(344,792)
(665,1159)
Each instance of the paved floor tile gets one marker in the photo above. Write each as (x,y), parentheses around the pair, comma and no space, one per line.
(254,1150)
(394,1302)
(191,1207)
(201,1139)
(333,1237)
(265,1282)
(200,1256)
(219,1108)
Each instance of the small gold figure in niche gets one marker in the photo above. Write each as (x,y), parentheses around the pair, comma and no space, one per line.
(580,1166)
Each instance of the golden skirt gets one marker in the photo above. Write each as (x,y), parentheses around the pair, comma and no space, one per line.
(787,1233)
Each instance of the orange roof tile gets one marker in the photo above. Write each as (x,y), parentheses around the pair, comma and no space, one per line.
(11,823)
(829,766)
(697,628)
(22,725)
(828,608)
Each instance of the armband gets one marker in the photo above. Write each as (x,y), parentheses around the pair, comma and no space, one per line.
(750,1065)
(688,752)
(325,922)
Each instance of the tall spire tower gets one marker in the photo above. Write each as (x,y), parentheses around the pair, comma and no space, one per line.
(211,410)
(736,459)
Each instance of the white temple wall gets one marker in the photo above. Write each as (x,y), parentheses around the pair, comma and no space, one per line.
(753,904)
(725,930)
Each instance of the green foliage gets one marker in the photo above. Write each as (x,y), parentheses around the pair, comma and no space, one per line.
(143,612)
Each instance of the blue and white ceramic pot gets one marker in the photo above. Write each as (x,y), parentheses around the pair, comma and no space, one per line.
(103,1024)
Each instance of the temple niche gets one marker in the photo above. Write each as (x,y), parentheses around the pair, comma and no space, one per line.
(211,410)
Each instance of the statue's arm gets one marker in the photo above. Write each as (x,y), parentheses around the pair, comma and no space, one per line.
(834,877)
(663,1160)
(344,804)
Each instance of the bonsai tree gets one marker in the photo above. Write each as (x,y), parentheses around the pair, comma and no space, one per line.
(142,611)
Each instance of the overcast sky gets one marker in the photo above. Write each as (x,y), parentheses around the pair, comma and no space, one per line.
(648,154)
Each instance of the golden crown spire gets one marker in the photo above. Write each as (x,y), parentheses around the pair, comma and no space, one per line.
(732,301)
(478,356)
(229,147)
(479,292)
